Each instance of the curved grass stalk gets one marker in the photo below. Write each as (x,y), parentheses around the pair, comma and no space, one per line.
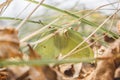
(75,16)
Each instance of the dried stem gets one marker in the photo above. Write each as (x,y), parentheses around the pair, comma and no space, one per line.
(4,6)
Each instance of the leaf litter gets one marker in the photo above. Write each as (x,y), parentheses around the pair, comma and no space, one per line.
(106,66)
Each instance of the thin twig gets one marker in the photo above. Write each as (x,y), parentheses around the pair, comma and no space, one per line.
(23,22)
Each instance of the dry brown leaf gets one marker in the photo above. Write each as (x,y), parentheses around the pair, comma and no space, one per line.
(9,43)
(108,39)
(117,73)
(35,74)
(50,74)
(86,70)
(68,71)
(23,76)
(105,69)
(3,74)
(18,71)
(33,54)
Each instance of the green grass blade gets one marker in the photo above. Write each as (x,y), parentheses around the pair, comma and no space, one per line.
(18,19)
(40,62)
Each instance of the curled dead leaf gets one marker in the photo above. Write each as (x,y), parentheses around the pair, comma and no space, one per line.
(3,74)
(9,43)
(105,69)
(33,54)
